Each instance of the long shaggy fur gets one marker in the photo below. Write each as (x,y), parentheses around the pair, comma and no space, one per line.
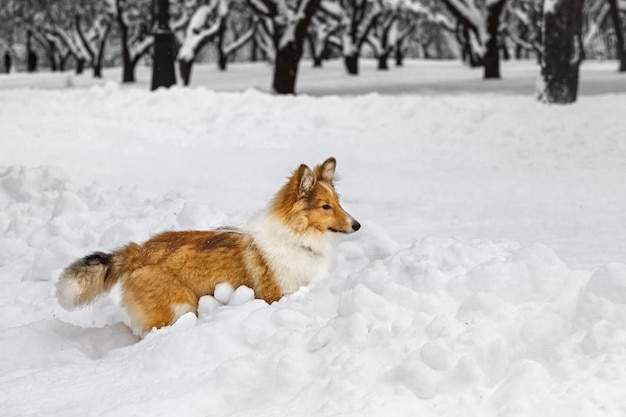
(284,247)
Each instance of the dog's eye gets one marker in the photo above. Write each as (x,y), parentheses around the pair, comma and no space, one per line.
(326,207)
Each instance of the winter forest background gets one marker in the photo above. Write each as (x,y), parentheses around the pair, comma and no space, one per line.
(558,35)
(488,278)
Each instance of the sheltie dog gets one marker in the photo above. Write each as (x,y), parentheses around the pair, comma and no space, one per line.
(286,246)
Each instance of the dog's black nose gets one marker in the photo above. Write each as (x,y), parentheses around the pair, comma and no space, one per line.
(356,226)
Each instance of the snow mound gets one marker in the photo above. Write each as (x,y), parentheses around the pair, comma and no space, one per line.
(440,325)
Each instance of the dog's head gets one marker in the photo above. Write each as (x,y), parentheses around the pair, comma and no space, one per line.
(309,202)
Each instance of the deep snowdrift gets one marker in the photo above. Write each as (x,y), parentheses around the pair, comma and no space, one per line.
(482,282)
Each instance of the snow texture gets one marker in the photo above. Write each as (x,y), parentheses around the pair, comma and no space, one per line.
(488,279)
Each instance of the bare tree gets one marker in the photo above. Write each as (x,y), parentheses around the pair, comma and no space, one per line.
(209,23)
(382,38)
(322,34)
(287,22)
(406,26)
(524,27)
(135,37)
(479,25)
(357,18)
(470,30)
(94,39)
(236,31)
(72,45)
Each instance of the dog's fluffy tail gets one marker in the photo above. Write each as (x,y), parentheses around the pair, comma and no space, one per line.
(86,279)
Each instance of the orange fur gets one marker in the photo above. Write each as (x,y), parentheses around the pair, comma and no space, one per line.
(164,277)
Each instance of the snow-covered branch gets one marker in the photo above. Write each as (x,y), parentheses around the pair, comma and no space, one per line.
(71,42)
(141,47)
(467,12)
(263,7)
(595,24)
(203,26)
(241,40)
(264,39)
(334,9)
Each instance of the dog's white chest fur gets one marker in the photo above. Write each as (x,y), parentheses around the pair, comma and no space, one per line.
(296,260)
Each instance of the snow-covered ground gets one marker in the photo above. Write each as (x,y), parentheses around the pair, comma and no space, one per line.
(489,278)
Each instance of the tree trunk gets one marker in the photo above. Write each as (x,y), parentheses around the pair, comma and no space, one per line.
(506,55)
(382,61)
(97,70)
(50,50)
(222,61)
(31,56)
(254,51)
(619,35)
(562,51)
(128,72)
(491,60)
(467,52)
(80,66)
(399,55)
(286,69)
(128,69)
(185,70)
(222,58)
(475,61)
(426,53)
(317,57)
(63,60)
(352,64)
(52,58)
(7,62)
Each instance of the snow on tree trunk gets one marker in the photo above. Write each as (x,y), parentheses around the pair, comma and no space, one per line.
(562,47)
(491,61)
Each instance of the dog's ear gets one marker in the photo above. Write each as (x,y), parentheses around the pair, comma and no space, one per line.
(305,179)
(326,171)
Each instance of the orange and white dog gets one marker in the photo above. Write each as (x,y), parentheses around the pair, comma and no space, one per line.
(287,246)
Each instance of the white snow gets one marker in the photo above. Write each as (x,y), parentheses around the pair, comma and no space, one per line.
(488,279)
